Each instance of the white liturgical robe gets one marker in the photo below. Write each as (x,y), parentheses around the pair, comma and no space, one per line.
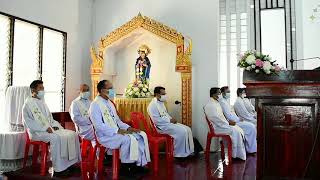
(250,132)
(64,144)
(79,112)
(220,124)
(242,112)
(250,107)
(134,148)
(183,139)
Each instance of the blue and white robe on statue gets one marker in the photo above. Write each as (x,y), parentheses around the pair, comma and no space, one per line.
(220,124)
(134,148)
(79,112)
(183,139)
(250,132)
(242,112)
(64,144)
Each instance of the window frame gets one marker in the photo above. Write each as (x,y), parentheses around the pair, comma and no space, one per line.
(41,28)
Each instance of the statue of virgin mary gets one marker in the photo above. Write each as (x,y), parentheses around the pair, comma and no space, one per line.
(143,65)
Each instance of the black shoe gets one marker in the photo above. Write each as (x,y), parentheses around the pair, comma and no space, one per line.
(74,169)
(64,173)
(107,160)
(125,171)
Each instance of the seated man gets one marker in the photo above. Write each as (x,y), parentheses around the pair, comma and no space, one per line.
(220,124)
(240,108)
(183,139)
(250,132)
(79,114)
(112,133)
(64,144)
(249,106)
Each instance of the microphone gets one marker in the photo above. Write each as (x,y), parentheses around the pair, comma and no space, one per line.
(177,102)
(296,60)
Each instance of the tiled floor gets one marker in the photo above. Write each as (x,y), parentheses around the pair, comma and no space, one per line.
(193,168)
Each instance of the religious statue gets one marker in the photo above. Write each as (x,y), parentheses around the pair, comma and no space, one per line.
(143,65)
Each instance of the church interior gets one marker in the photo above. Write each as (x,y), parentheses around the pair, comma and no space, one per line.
(207,89)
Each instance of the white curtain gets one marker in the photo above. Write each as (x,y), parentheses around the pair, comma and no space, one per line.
(15,97)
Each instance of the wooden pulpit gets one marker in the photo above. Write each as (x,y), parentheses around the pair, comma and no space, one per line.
(288,107)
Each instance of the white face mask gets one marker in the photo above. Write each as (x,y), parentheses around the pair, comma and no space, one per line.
(40,94)
(243,95)
(163,98)
(227,96)
(85,95)
(219,96)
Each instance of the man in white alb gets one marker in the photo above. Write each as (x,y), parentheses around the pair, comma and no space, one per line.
(240,107)
(64,144)
(183,139)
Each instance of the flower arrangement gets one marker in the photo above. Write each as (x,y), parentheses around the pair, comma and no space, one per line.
(258,62)
(138,89)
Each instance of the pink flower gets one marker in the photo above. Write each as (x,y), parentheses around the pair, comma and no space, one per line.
(277,68)
(259,63)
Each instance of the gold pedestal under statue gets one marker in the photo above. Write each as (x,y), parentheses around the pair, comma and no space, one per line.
(127,105)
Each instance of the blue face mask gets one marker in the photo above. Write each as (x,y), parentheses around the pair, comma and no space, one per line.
(111,93)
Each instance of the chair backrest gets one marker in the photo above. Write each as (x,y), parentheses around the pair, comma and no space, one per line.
(211,129)
(137,118)
(27,137)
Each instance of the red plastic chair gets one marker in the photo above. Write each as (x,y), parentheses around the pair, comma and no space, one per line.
(154,139)
(102,150)
(44,152)
(212,134)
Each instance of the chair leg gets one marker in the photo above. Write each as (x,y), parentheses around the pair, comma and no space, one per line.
(26,152)
(115,163)
(92,161)
(229,149)
(44,152)
(155,155)
(222,150)
(171,148)
(35,154)
(208,146)
(84,148)
(100,160)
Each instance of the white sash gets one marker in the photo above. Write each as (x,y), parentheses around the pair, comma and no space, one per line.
(107,118)
(82,108)
(37,114)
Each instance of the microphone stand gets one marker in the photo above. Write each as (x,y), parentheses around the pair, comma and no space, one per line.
(296,60)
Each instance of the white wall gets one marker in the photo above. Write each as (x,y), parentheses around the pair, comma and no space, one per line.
(196,19)
(73,17)
(308,36)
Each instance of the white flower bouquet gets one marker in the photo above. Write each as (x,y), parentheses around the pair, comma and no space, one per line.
(138,89)
(258,62)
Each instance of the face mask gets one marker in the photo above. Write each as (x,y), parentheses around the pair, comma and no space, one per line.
(40,94)
(219,96)
(244,95)
(163,98)
(85,95)
(111,93)
(227,95)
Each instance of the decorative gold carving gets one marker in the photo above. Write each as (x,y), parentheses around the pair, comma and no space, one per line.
(183,60)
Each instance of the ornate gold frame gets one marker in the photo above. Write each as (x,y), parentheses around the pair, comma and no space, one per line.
(183,61)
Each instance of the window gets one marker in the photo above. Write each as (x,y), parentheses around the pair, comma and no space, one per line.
(30,51)
(233,42)
(4,57)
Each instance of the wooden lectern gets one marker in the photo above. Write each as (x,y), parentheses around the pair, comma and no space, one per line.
(288,107)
